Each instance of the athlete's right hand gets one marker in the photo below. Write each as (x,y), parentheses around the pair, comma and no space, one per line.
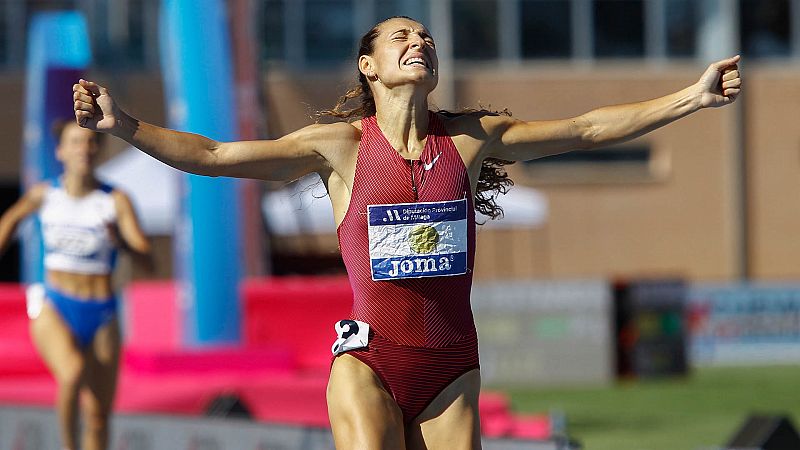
(94,107)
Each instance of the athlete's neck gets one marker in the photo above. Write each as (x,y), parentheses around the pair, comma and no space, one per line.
(78,185)
(402,116)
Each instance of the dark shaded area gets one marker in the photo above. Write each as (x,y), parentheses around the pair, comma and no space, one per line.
(9,261)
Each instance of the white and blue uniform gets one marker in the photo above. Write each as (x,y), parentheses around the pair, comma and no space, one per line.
(77,239)
(76,231)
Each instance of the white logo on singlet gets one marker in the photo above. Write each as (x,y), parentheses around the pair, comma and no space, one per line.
(430,166)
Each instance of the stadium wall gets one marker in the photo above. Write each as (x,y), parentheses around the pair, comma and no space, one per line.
(36,429)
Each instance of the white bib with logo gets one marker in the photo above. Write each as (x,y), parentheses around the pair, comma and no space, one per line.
(414,240)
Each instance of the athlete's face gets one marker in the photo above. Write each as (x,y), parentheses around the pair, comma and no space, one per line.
(77,149)
(404,52)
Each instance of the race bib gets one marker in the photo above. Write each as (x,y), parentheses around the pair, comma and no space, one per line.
(351,334)
(77,241)
(34,299)
(414,240)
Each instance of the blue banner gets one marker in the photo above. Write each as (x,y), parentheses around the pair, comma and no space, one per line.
(744,323)
(197,70)
(58,53)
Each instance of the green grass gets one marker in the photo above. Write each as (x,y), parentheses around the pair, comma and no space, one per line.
(701,411)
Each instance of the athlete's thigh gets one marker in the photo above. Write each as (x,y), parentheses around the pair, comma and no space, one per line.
(451,420)
(56,344)
(102,364)
(362,413)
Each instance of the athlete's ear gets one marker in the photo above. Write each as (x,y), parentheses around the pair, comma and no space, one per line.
(59,153)
(366,65)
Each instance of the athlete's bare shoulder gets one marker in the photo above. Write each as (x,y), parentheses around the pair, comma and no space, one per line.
(330,135)
(336,142)
(475,124)
(120,197)
(37,192)
(473,131)
(324,131)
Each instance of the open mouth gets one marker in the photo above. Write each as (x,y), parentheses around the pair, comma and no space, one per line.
(416,61)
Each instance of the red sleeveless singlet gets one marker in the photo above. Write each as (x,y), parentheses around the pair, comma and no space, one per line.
(420,312)
(422,333)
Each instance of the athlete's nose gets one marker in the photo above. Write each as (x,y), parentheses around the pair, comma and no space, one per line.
(416,41)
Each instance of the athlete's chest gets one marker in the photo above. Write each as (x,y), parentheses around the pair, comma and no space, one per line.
(76,226)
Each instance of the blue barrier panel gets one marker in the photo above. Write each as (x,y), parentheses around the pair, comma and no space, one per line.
(58,52)
(744,323)
(197,71)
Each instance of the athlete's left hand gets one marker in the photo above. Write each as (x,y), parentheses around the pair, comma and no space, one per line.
(720,83)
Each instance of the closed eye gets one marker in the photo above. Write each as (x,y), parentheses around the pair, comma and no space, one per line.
(402,35)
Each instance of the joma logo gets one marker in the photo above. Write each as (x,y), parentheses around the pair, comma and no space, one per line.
(419,265)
